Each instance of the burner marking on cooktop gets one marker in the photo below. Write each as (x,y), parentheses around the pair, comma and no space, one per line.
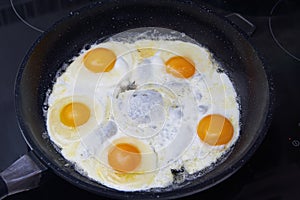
(273,35)
(23,20)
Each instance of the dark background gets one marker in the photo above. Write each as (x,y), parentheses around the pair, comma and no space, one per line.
(273,173)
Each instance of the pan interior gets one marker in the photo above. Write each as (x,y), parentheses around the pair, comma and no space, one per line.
(98,22)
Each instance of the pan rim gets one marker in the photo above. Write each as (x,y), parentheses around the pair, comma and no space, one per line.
(110,192)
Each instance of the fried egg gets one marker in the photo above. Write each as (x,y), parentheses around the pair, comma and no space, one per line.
(146,114)
(121,162)
(102,66)
(70,118)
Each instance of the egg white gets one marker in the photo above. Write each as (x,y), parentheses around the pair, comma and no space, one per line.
(185,103)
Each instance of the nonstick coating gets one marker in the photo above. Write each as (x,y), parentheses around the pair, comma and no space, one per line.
(66,38)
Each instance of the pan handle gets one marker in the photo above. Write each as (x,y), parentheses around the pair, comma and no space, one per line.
(24,174)
(242,23)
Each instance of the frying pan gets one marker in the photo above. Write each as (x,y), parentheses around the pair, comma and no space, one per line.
(100,20)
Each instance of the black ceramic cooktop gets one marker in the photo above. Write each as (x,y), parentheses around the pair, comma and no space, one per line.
(273,173)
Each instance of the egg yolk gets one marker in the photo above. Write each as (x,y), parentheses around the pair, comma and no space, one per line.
(100,60)
(215,130)
(124,157)
(74,114)
(180,67)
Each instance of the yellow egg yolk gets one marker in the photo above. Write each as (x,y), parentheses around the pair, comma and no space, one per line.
(215,130)
(100,60)
(74,114)
(124,157)
(180,67)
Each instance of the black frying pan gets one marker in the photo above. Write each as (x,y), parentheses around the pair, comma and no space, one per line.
(101,20)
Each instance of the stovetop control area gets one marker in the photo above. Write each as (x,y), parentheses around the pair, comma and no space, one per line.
(273,172)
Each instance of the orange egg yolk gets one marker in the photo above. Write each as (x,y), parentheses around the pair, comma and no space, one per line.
(100,60)
(215,130)
(180,67)
(124,157)
(74,114)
